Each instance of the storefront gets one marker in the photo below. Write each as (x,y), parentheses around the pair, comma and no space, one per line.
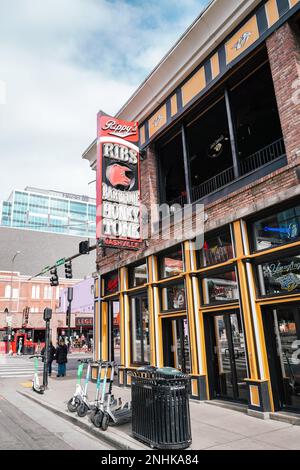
(194,311)
(228,313)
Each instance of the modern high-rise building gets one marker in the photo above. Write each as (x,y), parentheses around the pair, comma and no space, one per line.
(49,211)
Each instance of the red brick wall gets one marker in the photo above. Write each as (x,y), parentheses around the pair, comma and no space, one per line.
(284,55)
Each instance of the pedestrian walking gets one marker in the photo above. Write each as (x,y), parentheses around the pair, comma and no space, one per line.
(20,346)
(61,356)
(51,356)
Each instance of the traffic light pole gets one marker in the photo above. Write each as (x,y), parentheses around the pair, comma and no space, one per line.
(46,355)
(47,318)
(69,310)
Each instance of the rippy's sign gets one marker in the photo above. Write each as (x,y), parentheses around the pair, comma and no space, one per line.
(118,183)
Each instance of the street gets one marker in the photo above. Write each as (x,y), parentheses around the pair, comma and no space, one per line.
(24,425)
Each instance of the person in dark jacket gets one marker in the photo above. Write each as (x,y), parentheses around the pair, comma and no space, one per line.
(51,356)
(61,356)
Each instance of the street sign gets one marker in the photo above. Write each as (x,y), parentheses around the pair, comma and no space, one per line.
(60,262)
(46,268)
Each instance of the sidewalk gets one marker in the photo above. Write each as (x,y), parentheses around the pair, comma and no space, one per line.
(213,427)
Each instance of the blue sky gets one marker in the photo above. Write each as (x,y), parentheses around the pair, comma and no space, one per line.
(62,61)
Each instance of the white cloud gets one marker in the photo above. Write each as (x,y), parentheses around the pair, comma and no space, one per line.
(63,60)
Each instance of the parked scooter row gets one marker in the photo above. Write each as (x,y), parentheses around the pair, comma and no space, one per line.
(105,409)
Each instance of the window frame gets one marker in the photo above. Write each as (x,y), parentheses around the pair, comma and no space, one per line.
(140,295)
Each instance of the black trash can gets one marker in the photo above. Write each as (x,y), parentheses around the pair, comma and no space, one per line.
(160,408)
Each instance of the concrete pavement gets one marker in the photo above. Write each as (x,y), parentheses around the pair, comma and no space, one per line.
(213,427)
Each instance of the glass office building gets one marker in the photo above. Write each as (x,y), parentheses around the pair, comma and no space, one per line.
(49,211)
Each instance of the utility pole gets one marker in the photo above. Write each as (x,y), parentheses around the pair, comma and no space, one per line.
(47,318)
(70,298)
(11,298)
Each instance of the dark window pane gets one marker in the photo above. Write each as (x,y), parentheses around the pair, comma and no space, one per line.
(138,275)
(111,283)
(279,276)
(256,116)
(278,229)
(173,297)
(172,177)
(209,147)
(140,338)
(171,264)
(220,288)
(217,248)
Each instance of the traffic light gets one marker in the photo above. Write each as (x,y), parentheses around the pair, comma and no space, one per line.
(54,277)
(68,270)
(84,247)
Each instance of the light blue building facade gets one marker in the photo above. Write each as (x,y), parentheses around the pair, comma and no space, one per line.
(49,211)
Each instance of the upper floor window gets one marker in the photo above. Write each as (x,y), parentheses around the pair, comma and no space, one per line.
(137,275)
(47,292)
(277,229)
(7,293)
(171,262)
(35,292)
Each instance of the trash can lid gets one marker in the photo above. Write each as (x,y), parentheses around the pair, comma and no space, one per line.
(169,371)
(147,369)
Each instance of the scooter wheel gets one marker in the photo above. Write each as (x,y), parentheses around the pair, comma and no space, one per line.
(82,410)
(92,416)
(105,422)
(73,404)
(98,419)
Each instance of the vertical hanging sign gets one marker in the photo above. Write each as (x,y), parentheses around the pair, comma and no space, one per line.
(118,183)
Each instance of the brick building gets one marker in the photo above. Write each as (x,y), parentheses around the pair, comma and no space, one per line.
(219,125)
(36,249)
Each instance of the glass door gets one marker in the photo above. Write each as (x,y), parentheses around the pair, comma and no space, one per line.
(176,344)
(226,350)
(282,331)
(114,331)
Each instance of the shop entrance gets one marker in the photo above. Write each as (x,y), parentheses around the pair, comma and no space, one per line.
(226,356)
(176,344)
(114,342)
(282,332)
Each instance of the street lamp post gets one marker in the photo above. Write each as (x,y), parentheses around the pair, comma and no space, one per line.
(11,295)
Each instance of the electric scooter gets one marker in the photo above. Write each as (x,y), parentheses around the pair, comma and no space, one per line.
(75,401)
(106,410)
(36,386)
(84,405)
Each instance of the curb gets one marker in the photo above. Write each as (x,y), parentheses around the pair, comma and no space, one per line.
(119,440)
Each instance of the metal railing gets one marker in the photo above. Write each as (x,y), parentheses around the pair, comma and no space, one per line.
(262,157)
(253,162)
(211,185)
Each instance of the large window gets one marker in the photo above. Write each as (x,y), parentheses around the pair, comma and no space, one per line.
(209,145)
(171,263)
(173,297)
(217,248)
(138,275)
(277,229)
(279,276)
(140,337)
(111,283)
(255,114)
(220,288)
(172,171)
